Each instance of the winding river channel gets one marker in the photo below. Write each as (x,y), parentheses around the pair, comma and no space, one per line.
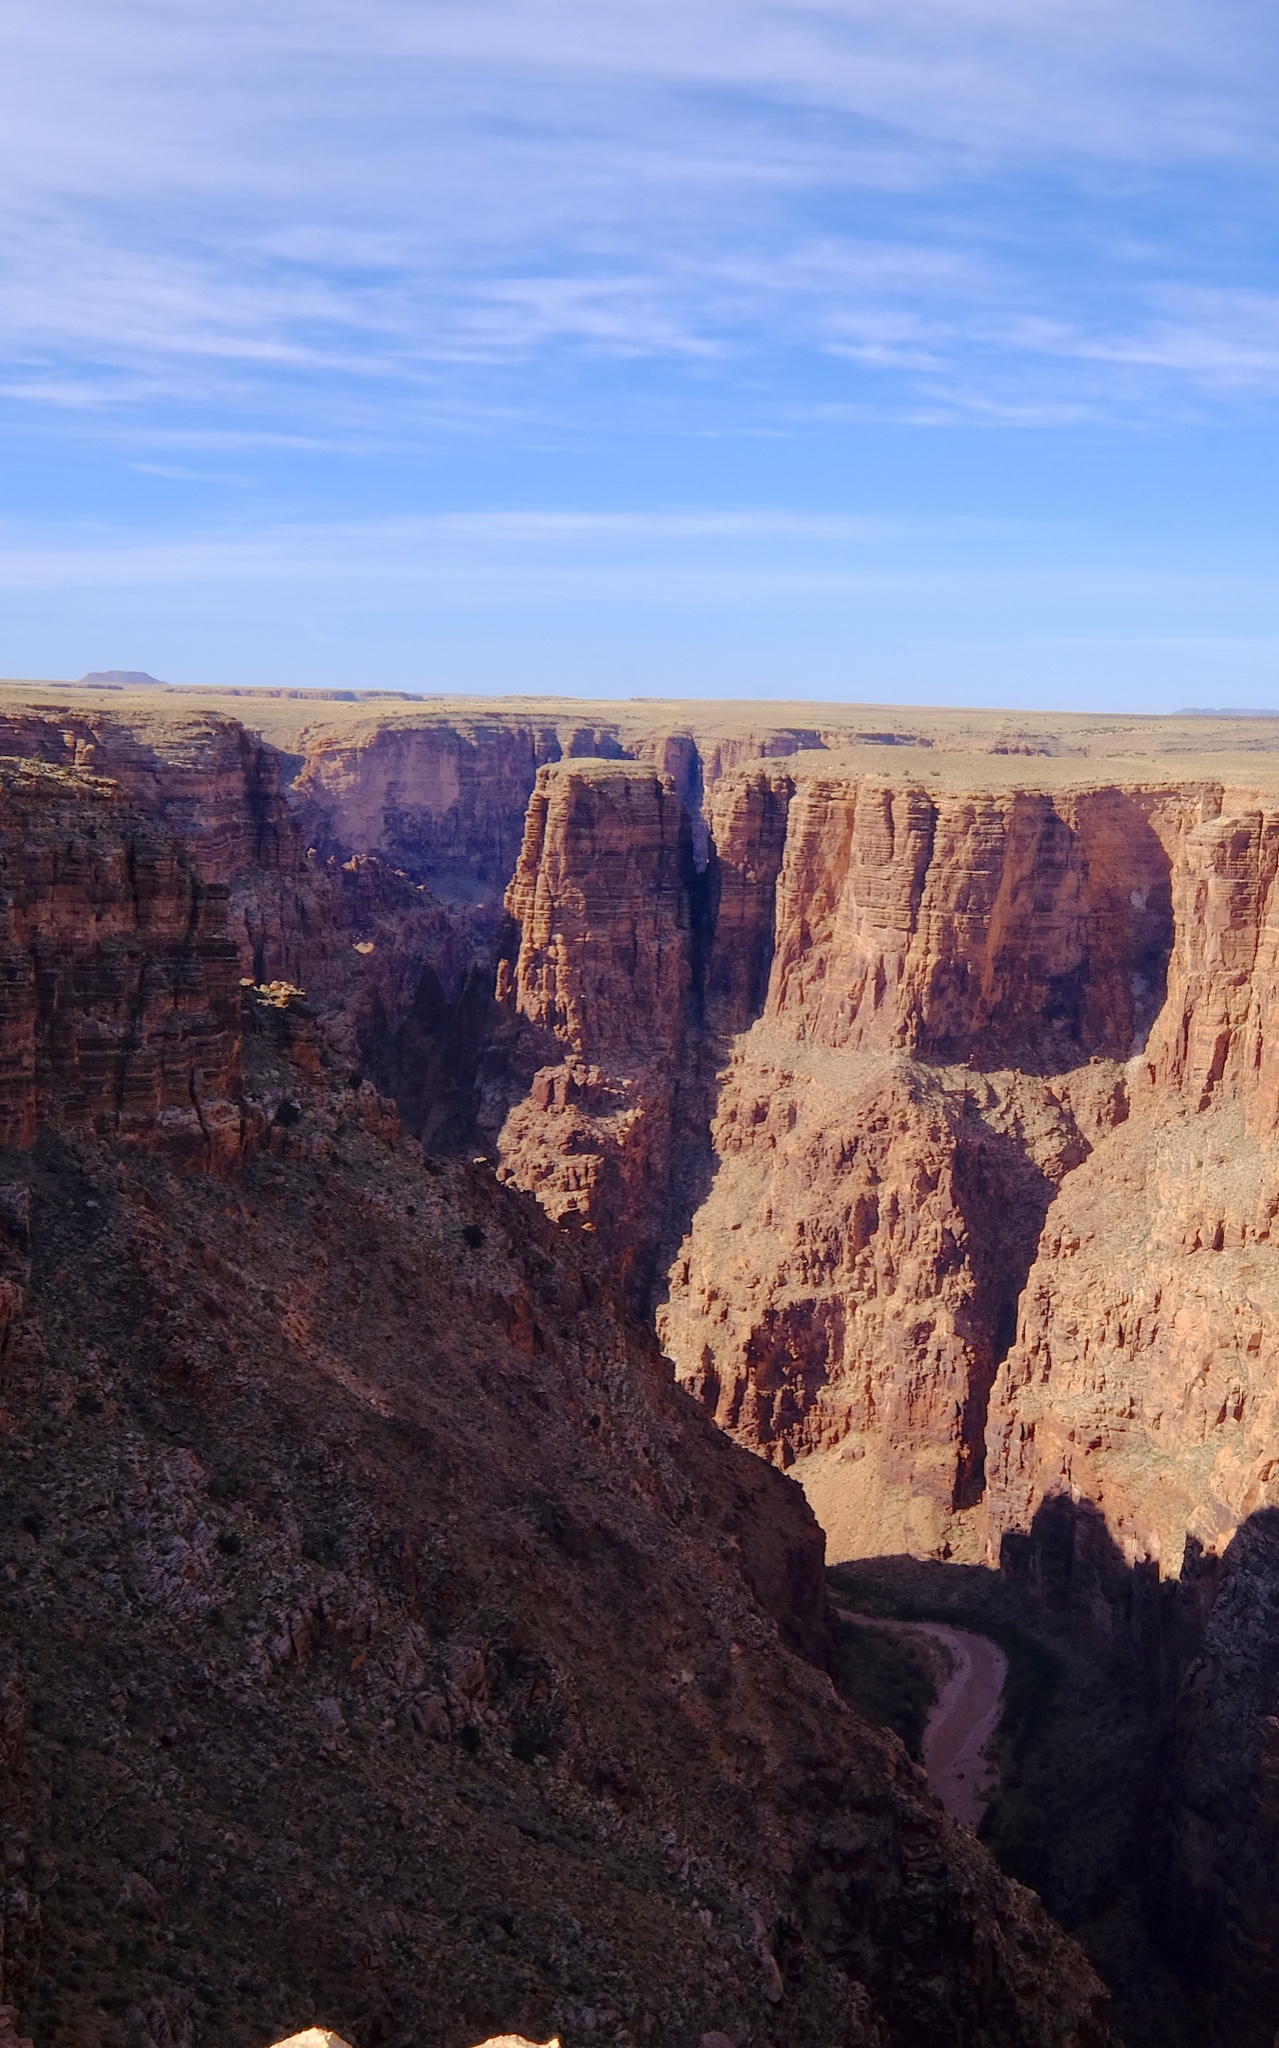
(964,1718)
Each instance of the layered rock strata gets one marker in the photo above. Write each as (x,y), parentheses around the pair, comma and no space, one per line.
(402,984)
(444,794)
(598,995)
(1142,1376)
(982,1020)
(952,1087)
(951,1090)
(986,1250)
(119,987)
(946,982)
(201,776)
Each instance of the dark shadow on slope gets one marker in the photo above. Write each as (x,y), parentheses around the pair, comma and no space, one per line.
(429,1060)
(1004,1198)
(1214,1861)
(1139,1756)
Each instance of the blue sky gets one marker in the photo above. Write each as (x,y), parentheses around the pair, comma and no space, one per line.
(726,347)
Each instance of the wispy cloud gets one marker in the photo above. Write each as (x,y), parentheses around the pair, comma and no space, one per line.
(533,560)
(331,213)
(481,545)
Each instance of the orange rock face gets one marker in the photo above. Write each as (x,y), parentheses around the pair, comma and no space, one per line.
(1142,1376)
(598,996)
(954,1048)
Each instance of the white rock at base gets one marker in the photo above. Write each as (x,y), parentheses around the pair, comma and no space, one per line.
(518,2041)
(321,2037)
(314,2037)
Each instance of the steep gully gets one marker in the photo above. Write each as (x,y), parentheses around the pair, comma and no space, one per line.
(945,1100)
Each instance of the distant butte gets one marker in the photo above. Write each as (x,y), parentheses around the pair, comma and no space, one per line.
(122,679)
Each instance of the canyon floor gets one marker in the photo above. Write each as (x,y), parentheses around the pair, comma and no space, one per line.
(463,1162)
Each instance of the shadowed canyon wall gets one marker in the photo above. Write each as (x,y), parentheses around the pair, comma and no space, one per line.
(119,987)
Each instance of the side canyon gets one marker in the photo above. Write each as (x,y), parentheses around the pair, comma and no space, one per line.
(463,1163)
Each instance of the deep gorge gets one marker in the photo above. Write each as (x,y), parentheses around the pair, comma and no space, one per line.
(915,1085)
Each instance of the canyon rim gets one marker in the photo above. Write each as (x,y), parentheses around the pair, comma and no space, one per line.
(494,1196)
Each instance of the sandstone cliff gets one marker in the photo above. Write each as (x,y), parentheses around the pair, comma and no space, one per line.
(991,1017)
(987,1229)
(443,792)
(402,985)
(933,974)
(887,1145)
(598,995)
(882,1168)
(201,775)
(1142,1372)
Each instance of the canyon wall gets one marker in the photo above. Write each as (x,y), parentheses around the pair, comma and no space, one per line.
(931,1103)
(982,1246)
(443,794)
(1143,1372)
(866,1060)
(988,1077)
(200,775)
(382,1631)
(598,1003)
(955,979)
(402,984)
(119,988)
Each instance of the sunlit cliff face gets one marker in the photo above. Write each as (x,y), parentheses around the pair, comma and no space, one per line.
(983,1213)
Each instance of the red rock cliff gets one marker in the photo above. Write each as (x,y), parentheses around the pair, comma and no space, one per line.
(121,988)
(201,775)
(1142,1374)
(399,1641)
(598,993)
(976,1013)
(992,1015)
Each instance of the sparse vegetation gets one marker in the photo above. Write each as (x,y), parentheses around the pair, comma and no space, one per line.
(888,1678)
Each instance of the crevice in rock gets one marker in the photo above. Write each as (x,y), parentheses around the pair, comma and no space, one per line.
(430,1059)
(1004,1197)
